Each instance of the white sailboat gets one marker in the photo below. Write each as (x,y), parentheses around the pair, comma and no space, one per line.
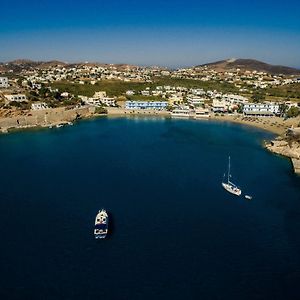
(230,186)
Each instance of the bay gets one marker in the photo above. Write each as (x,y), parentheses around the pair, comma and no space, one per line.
(175,233)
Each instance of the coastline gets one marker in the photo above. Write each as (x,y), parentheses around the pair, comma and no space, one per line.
(43,118)
(274,125)
(64,115)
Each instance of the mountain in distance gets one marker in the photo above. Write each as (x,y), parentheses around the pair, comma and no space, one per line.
(223,65)
(250,65)
(25,64)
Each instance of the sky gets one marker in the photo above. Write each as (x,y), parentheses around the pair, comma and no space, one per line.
(166,33)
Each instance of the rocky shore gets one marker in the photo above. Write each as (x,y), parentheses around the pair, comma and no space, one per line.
(288,146)
(10,120)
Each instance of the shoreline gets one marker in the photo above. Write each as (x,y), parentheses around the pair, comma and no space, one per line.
(53,117)
(66,116)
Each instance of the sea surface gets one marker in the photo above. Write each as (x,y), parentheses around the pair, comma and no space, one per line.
(175,233)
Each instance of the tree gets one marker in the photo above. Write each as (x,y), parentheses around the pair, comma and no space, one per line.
(293,112)
(282,109)
(257,97)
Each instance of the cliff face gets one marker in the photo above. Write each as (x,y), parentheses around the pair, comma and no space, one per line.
(289,148)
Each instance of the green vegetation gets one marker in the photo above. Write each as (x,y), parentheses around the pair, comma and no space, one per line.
(293,112)
(22,105)
(112,87)
(286,91)
(101,110)
(117,88)
(220,86)
(258,97)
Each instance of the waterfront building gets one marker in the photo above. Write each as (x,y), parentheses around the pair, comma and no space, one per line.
(219,106)
(181,112)
(108,101)
(158,105)
(261,109)
(4,82)
(202,113)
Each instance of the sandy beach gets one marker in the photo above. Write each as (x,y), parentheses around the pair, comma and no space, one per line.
(273,124)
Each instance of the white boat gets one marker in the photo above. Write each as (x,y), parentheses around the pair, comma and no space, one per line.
(230,186)
(101,224)
(248,197)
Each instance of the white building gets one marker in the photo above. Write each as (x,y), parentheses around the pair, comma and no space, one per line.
(197,92)
(219,106)
(130,93)
(181,112)
(157,105)
(39,106)
(261,109)
(100,94)
(195,100)
(145,93)
(108,101)
(235,98)
(4,82)
(65,94)
(202,113)
(16,97)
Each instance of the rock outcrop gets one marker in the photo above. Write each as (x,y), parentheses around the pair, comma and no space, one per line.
(288,146)
(44,118)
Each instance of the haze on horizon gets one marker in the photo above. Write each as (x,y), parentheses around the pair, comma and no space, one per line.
(167,33)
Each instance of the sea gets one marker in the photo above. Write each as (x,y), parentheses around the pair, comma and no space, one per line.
(174,232)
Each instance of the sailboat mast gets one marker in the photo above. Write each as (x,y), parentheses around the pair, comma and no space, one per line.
(228,169)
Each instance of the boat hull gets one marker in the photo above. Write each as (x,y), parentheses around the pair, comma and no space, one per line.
(233,190)
(101,225)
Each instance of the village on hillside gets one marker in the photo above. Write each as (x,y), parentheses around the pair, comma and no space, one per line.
(191,92)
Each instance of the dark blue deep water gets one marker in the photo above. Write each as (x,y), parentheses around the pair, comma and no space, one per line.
(175,233)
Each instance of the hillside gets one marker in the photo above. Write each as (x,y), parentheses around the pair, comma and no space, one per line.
(25,64)
(250,65)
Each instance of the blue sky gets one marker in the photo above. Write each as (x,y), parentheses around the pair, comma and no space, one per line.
(171,33)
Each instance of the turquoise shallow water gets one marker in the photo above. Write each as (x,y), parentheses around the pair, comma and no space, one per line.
(176,234)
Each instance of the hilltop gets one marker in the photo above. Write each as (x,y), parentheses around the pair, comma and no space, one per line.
(250,65)
(25,64)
